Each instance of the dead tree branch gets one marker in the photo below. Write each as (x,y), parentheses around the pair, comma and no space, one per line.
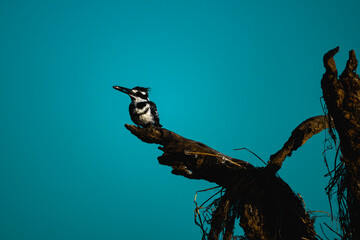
(191,159)
(342,97)
(265,204)
(298,137)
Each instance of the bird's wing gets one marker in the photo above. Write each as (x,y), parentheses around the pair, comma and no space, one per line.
(155,113)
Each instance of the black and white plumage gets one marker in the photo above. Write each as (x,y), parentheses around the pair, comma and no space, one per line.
(143,112)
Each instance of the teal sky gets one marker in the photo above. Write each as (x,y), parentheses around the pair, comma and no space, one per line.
(228,73)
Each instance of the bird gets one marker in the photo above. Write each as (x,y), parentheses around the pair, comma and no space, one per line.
(143,112)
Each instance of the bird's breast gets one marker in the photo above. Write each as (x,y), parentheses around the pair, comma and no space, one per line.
(139,108)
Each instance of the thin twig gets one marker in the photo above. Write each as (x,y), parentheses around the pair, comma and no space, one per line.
(243,148)
(322,230)
(333,230)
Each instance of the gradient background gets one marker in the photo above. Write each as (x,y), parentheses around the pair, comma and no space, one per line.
(228,73)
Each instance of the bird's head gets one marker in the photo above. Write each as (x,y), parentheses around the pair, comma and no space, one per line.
(138,94)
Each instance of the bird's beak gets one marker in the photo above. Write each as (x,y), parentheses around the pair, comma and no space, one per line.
(123,89)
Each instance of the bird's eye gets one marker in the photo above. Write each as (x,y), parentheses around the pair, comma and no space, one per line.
(143,93)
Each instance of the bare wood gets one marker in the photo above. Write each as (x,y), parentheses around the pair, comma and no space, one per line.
(191,159)
(342,97)
(267,205)
(188,157)
(299,136)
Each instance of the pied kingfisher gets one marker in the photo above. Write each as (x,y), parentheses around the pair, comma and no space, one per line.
(143,112)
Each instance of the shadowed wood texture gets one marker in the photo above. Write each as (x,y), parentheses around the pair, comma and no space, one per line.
(342,97)
(265,204)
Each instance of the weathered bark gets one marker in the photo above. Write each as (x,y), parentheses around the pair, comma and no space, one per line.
(265,204)
(195,160)
(298,137)
(342,97)
(191,159)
